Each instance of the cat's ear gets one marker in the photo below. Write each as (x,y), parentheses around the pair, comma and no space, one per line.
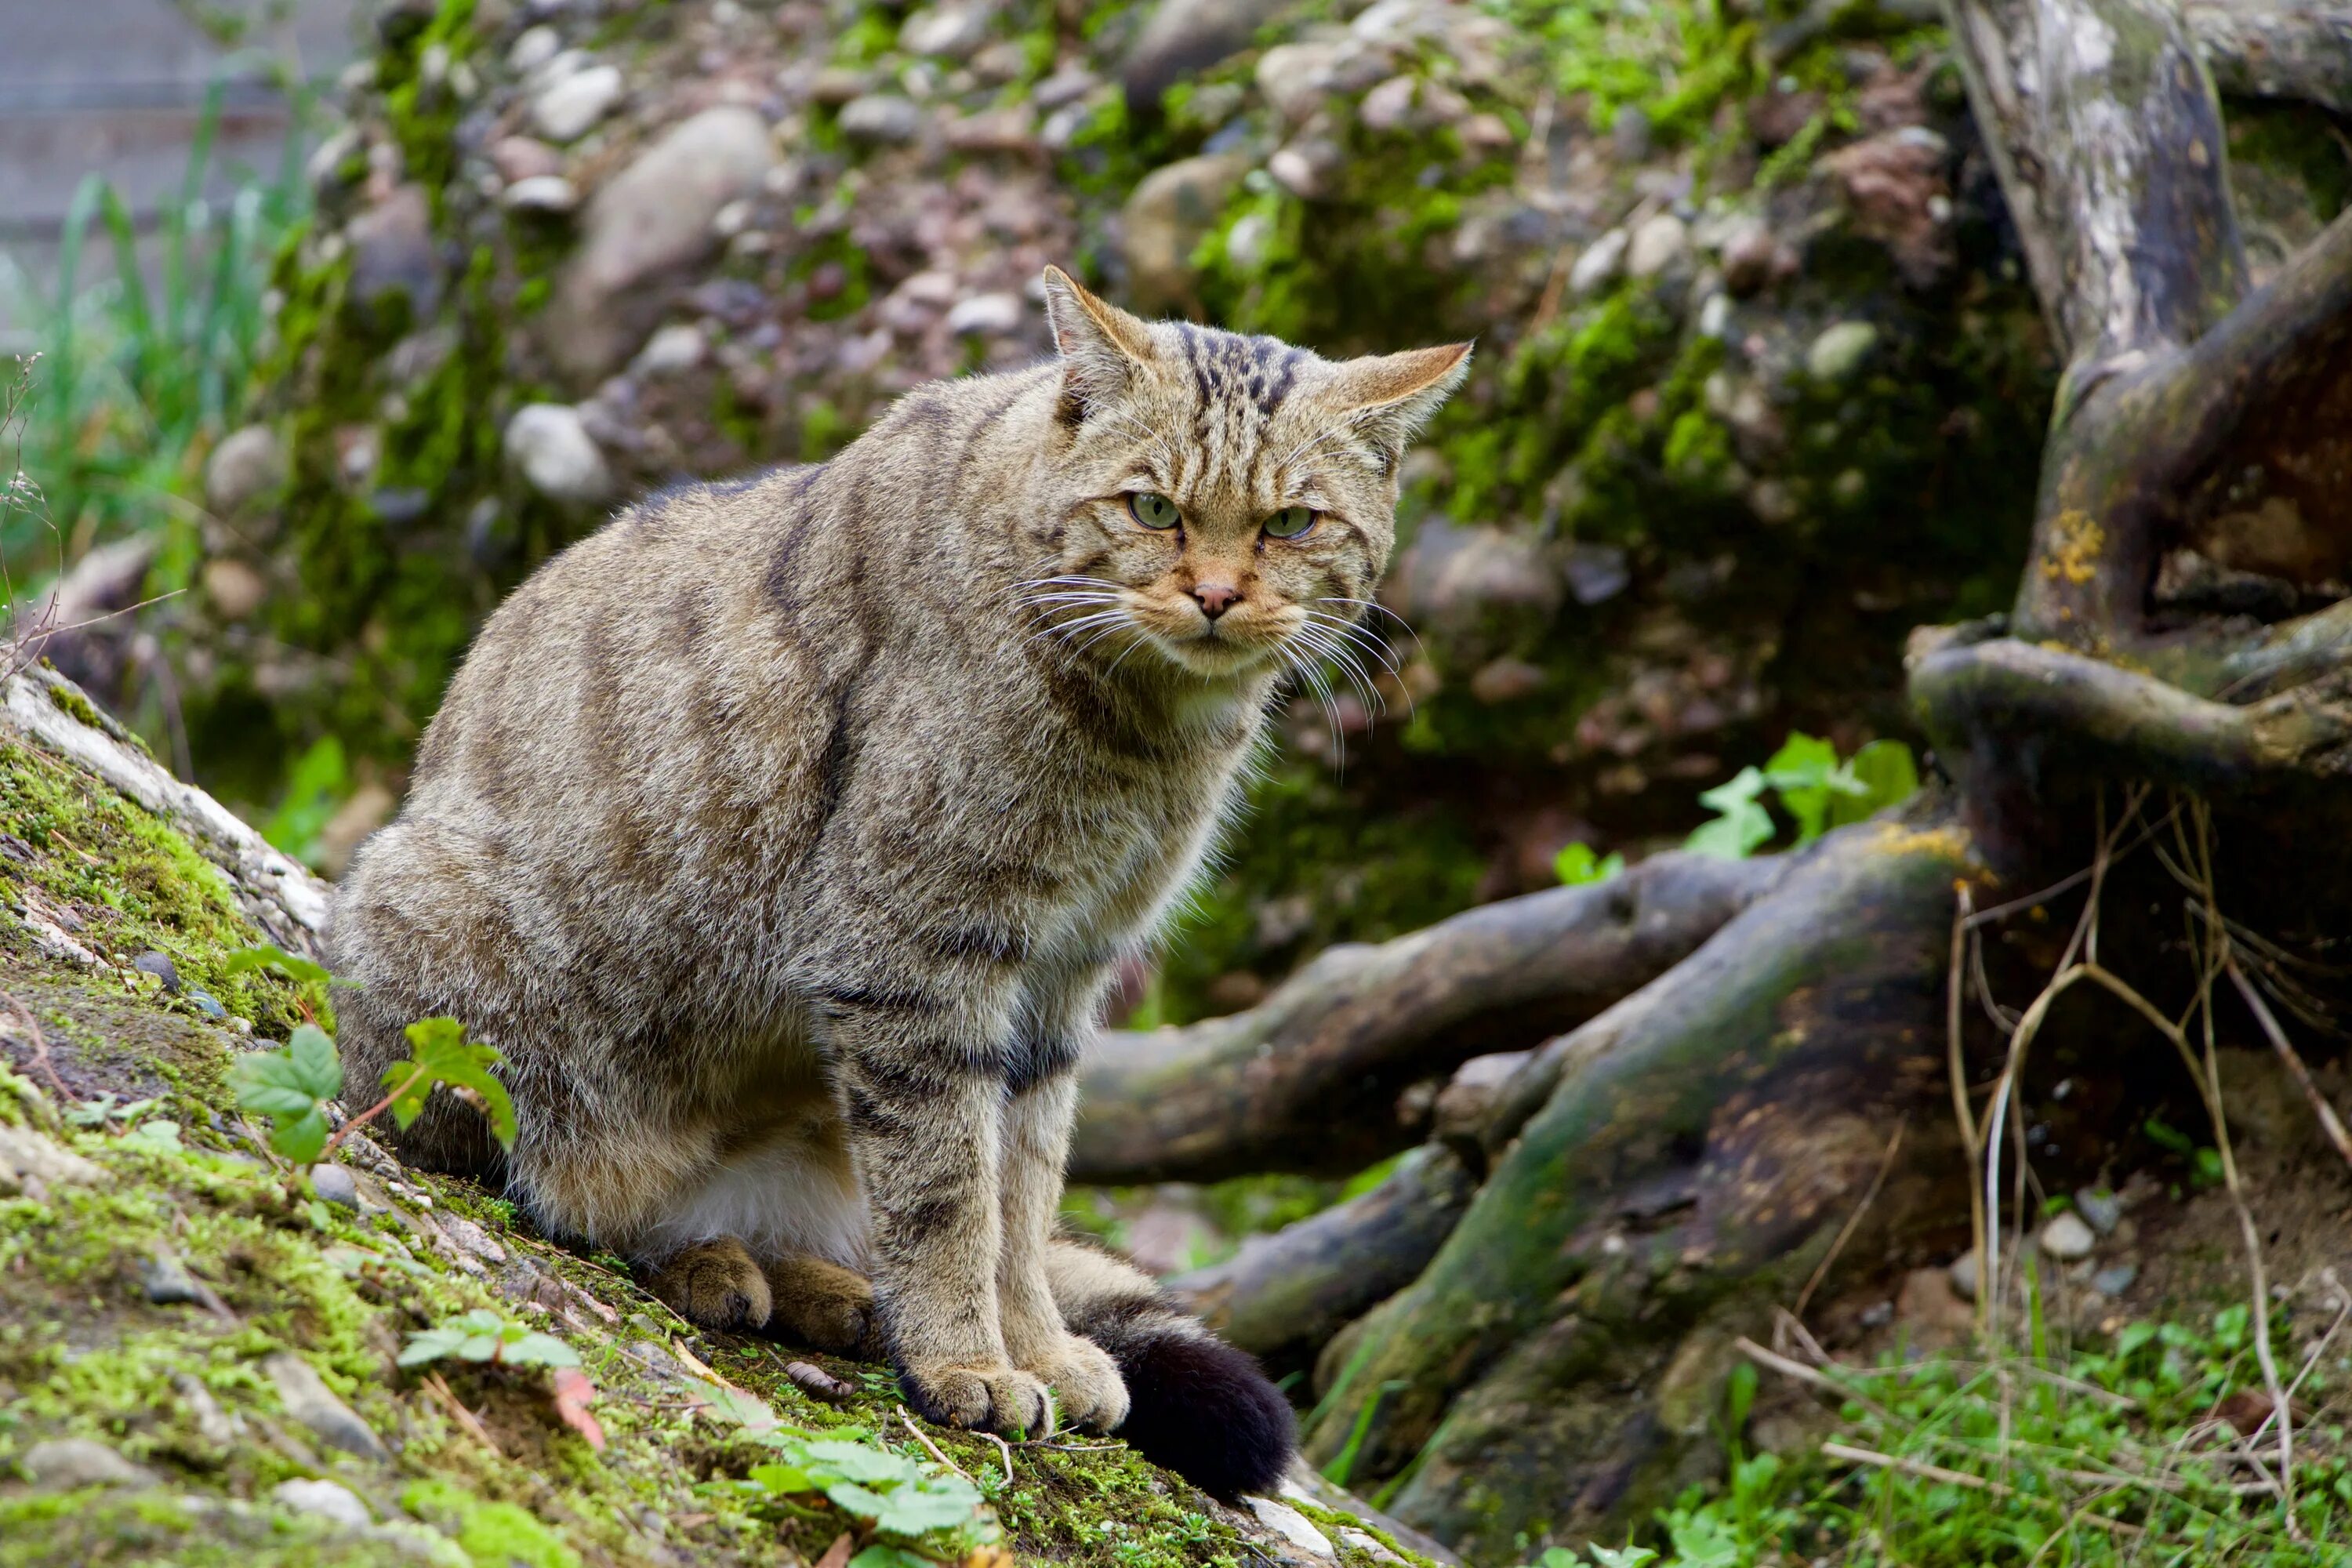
(1102,346)
(1390,397)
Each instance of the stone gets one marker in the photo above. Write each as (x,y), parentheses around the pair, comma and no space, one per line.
(987,316)
(30,1160)
(1167,215)
(881,118)
(168,1283)
(1295,78)
(676,347)
(1506,680)
(1963,1271)
(1596,572)
(161,967)
(1598,263)
(1839,350)
(235,588)
(472,1237)
(1389,106)
(309,1400)
(1747,260)
(335,1184)
(249,465)
(650,220)
(524,158)
(1369,1545)
(1306,168)
(1182,39)
(2067,1237)
(533,48)
(1293,1527)
(1658,244)
(541,194)
(1476,590)
(551,447)
(568,106)
(1064,88)
(953,31)
(69,1464)
(391,251)
(214,1425)
(323,1500)
(2100,1208)
(2115,1280)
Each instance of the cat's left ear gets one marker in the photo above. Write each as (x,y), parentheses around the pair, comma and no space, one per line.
(1103,348)
(1390,397)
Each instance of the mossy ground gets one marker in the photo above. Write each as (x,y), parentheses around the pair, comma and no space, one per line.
(85,1353)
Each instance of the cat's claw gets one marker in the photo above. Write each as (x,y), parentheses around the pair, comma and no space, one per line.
(982,1399)
(1088,1391)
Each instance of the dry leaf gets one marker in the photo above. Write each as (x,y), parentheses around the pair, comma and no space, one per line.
(573,1392)
(990,1557)
(837,1555)
(817,1383)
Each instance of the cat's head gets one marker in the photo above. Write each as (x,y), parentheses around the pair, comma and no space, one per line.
(1236,495)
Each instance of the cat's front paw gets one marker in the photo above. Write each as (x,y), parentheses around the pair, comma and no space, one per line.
(978,1398)
(1088,1391)
(715,1285)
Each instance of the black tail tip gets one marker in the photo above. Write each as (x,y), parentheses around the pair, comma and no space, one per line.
(1204,1409)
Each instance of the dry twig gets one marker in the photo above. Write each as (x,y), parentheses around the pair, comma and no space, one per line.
(930,1448)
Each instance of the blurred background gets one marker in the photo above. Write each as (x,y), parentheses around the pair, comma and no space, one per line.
(1760,385)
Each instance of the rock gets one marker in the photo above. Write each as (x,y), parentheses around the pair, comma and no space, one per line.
(323,1500)
(1963,1273)
(1658,244)
(1839,352)
(650,220)
(541,194)
(881,118)
(249,465)
(335,1184)
(1295,78)
(472,1237)
(159,965)
(566,107)
(1064,88)
(1305,168)
(2115,1280)
(309,1400)
(517,158)
(235,588)
(2100,1208)
(1747,260)
(68,1464)
(1506,680)
(1476,590)
(676,347)
(167,1281)
(987,316)
(1182,39)
(205,1002)
(1599,263)
(533,48)
(216,1426)
(1931,1309)
(1389,106)
(552,448)
(1167,215)
(1369,1545)
(391,251)
(954,31)
(2067,1237)
(31,1160)
(1291,1526)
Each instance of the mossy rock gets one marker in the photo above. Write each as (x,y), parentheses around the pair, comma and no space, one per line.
(158,1267)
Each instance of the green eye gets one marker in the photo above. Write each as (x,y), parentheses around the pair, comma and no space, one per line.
(1290,523)
(1153,509)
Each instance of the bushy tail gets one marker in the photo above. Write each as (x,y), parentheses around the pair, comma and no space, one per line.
(1198,1406)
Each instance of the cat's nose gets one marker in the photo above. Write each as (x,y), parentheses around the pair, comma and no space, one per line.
(1217,598)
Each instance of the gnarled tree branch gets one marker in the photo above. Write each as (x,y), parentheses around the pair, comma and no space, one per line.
(2298,49)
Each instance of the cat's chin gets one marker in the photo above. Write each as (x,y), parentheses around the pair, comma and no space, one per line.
(1215,659)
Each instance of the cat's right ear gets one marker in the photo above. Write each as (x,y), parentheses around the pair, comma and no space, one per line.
(1103,348)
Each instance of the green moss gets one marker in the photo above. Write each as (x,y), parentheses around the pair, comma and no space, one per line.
(2300,140)
(74,703)
(493,1535)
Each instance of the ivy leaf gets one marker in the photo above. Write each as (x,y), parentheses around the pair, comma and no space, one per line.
(439,1056)
(1804,771)
(1578,867)
(291,1087)
(1741,823)
(264,956)
(1886,775)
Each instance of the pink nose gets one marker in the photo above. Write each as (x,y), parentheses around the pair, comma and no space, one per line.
(1217,598)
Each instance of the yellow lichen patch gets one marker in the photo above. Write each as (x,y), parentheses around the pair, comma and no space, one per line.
(1949,843)
(2077,541)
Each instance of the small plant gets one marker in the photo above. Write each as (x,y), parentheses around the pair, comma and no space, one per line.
(1818,792)
(486,1337)
(1579,866)
(914,1515)
(292,1085)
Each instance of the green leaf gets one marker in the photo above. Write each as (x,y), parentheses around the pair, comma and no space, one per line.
(290,1086)
(534,1349)
(264,956)
(879,1556)
(1804,771)
(1888,775)
(917,1511)
(733,1404)
(432,1344)
(158,1136)
(1578,867)
(851,1497)
(440,1055)
(1741,823)
(783,1481)
(857,1462)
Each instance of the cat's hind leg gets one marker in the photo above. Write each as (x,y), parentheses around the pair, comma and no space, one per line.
(715,1284)
(823,1305)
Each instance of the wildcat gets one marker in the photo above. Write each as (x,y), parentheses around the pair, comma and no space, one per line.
(785,836)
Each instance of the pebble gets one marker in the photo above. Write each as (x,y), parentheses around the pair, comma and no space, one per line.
(2115,1280)
(159,965)
(1291,1526)
(1369,1545)
(216,1425)
(235,589)
(534,49)
(1839,350)
(66,1464)
(541,194)
(205,1002)
(393,251)
(552,448)
(679,347)
(1658,244)
(567,108)
(2067,1237)
(1506,680)
(987,316)
(953,31)
(1599,263)
(309,1400)
(323,1500)
(1963,1273)
(2101,1208)
(881,118)
(335,1184)
(1167,215)
(1305,168)
(247,466)
(168,1282)
(473,1239)
(517,158)
(29,1158)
